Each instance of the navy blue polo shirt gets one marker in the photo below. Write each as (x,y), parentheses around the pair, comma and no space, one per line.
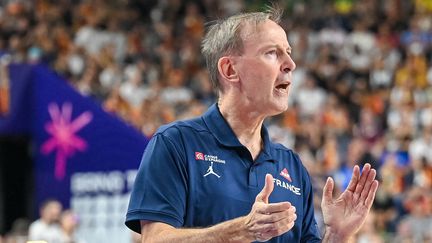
(196,173)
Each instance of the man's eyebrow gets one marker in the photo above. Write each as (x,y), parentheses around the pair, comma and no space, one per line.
(288,49)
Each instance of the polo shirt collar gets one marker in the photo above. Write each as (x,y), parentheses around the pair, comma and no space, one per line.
(220,128)
(268,151)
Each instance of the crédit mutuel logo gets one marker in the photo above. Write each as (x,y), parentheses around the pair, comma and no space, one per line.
(284,173)
(212,159)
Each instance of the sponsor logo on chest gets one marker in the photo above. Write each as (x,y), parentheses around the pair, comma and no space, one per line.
(288,186)
(212,159)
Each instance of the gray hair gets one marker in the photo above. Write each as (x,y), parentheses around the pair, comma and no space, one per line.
(224,37)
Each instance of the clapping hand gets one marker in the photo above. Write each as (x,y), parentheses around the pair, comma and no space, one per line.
(345,215)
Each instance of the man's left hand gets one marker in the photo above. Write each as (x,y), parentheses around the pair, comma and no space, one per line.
(344,216)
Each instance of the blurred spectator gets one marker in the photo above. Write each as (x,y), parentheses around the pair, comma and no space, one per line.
(359,47)
(417,225)
(68,224)
(420,147)
(380,77)
(418,37)
(115,104)
(310,97)
(392,175)
(177,91)
(133,90)
(19,231)
(47,226)
(335,116)
(369,127)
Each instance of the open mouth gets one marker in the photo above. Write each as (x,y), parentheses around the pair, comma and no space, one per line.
(282,87)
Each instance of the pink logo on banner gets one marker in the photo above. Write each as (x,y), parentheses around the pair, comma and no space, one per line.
(63,135)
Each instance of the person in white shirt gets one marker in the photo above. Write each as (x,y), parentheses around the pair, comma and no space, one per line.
(47,227)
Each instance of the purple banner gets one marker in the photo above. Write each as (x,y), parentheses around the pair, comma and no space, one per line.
(84,156)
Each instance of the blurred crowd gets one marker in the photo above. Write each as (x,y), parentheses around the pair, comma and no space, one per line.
(362,90)
(54,225)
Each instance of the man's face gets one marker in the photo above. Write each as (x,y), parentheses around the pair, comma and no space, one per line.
(265,67)
(51,213)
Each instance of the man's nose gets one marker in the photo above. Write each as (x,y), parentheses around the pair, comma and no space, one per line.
(288,65)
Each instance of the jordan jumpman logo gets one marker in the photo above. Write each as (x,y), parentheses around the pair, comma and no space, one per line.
(211,172)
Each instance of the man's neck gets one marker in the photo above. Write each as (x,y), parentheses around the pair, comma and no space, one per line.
(246,125)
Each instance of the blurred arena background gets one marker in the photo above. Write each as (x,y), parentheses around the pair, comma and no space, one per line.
(362,90)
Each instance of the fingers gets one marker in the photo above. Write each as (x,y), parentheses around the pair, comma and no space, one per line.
(263,196)
(354,179)
(361,183)
(273,207)
(274,229)
(328,191)
(366,187)
(371,195)
(287,215)
(370,179)
(268,225)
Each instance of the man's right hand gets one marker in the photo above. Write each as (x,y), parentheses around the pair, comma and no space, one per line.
(267,220)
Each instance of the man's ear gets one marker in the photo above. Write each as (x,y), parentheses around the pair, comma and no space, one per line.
(227,70)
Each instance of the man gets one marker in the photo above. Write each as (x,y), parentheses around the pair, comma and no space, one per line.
(47,227)
(256,190)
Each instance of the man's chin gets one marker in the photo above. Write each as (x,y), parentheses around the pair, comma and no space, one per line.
(278,109)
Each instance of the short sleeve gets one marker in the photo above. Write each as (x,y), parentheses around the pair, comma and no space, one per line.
(160,189)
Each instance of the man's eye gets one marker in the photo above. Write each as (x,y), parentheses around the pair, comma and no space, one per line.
(272,52)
